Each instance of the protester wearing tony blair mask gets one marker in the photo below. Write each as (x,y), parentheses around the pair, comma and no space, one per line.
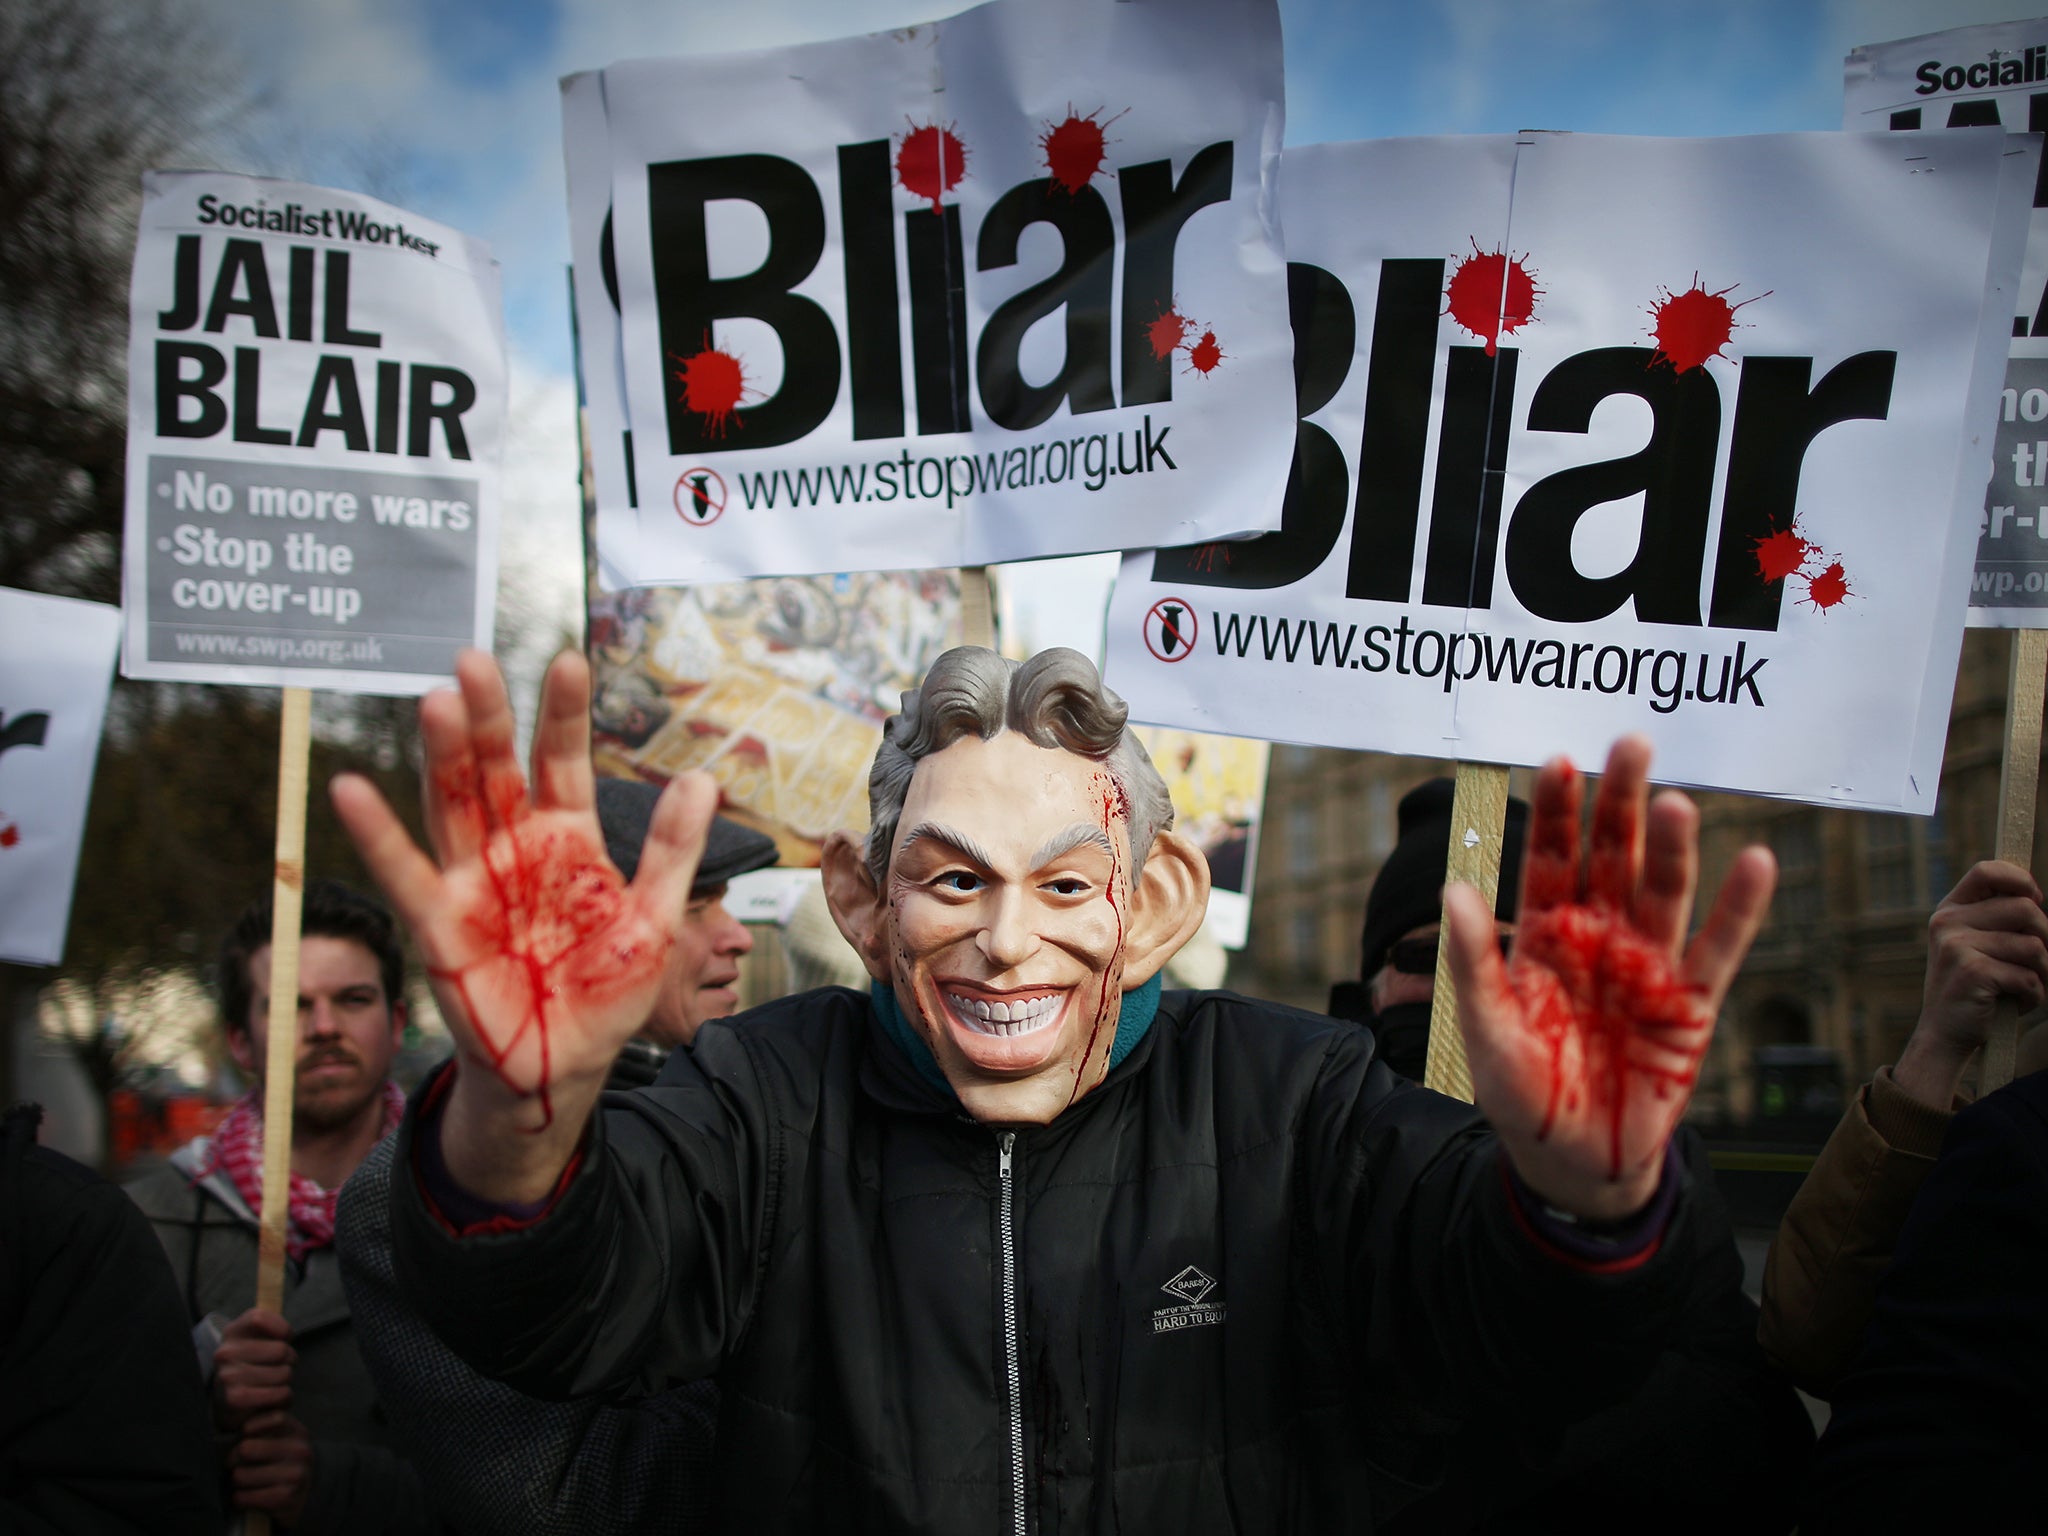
(1015,1240)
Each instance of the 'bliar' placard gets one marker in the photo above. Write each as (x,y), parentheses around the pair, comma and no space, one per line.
(1686,438)
(1004,286)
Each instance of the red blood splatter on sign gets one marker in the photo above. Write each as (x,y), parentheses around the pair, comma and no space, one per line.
(1694,325)
(1073,149)
(930,163)
(554,927)
(1780,554)
(1167,334)
(1604,1001)
(1205,355)
(713,382)
(9,835)
(1829,588)
(1491,295)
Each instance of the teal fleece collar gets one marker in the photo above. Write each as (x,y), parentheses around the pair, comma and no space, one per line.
(1135,1017)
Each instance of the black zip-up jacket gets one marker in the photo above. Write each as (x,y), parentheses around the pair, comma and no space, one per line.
(1200,1300)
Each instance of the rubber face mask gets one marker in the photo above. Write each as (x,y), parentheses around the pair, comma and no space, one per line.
(1008,911)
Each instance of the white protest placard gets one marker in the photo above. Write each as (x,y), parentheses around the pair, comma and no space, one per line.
(1975,77)
(316,417)
(1003,286)
(1673,441)
(594,299)
(56,666)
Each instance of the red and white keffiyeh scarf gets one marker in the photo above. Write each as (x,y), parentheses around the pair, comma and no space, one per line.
(237,1151)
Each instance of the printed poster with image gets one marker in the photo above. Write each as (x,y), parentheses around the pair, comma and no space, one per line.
(1004,286)
(777,689)
(1683,438)
(316,419)
(1976,77)
(1218,785)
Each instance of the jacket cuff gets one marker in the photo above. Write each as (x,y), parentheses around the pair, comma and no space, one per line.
(1595,1249)
(460,1213)
(1902,1121)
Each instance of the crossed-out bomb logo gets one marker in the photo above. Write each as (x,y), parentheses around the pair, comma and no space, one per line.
(1171,629)
(1491,295)
(1121,349)
(700,496)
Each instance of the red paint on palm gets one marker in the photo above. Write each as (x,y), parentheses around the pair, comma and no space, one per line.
(553,931)
(1615,1019)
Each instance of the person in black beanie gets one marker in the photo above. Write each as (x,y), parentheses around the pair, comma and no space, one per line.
(1397,959)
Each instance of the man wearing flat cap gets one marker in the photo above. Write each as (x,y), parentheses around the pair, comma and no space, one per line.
(493,1459)
(704,965)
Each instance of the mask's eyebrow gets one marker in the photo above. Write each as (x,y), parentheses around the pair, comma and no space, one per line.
(1062,843)
(959,842)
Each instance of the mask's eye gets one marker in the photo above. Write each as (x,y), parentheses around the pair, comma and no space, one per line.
(1069,885)
(964,881)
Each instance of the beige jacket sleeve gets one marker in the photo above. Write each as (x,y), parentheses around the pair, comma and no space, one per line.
(1836,1241)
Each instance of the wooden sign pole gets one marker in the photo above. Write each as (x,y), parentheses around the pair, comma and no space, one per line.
(977,612)
(2019,778)
(1479,813)
(281,1052)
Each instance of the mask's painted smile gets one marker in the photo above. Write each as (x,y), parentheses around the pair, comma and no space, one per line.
(1024,1015)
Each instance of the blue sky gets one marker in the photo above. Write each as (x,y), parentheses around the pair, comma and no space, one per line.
(450,108)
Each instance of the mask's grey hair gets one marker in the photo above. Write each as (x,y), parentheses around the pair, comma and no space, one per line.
(1056,699)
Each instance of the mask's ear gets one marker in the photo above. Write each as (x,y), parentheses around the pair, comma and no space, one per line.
(856,906)
(1167,908)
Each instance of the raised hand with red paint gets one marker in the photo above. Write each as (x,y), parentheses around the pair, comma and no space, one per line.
(1585,1045)
(543,959)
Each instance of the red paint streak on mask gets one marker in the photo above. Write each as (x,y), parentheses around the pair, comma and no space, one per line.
(1206,354)
(1780,554)
(1694,325)
(930,163)
(1829,588)
(713,382)
(9,835)
(1491,295)
(1074,149)
(549,933)
(1116,806)
(1167,334)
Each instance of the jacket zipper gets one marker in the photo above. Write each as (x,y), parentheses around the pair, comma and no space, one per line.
(1005,1143)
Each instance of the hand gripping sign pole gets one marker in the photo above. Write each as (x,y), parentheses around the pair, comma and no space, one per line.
(2019,778)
